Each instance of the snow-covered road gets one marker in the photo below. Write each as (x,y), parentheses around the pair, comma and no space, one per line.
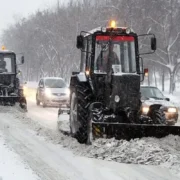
(12,166)
(47,117)
(51,161)
(53,156)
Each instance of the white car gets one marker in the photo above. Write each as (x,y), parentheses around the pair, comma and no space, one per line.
(52,91)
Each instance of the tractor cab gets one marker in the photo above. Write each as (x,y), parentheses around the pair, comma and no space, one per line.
(112,48)
(105,98)
(116,52)
(10,90)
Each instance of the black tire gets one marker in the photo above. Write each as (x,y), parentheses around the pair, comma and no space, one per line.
(158,116)
(83,97)
(37,101)
(44,105)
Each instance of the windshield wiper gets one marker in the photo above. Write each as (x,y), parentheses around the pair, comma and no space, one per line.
(156,98)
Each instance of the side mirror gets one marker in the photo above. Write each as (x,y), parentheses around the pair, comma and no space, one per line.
(22,60)
(167,99)
(146,72)
(80,42)
(153,43)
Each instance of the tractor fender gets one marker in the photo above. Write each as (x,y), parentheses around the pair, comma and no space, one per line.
(82,77)
(77,79)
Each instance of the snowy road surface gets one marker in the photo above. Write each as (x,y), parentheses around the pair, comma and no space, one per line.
(51,161)
(52,156)
(12,166)
(47,117)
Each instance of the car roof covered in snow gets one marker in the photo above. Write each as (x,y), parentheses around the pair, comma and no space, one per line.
(52,78)
(148,86)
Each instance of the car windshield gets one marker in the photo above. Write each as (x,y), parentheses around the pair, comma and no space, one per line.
(151,92)
(7,63)
(55,83)
(116,52)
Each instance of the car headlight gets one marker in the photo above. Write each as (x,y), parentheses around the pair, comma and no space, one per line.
(172,110)
(24,88)
(68,92)
(145,110)
(48,92)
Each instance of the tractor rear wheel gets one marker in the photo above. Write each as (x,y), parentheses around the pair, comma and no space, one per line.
(79,113)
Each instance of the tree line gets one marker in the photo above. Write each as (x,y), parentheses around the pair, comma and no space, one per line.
(47,38)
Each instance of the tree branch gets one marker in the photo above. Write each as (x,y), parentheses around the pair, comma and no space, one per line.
(169,47)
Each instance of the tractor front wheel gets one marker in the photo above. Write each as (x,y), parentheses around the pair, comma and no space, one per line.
(79,113)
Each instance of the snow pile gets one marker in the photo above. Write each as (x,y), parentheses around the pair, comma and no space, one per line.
(63,122)
(138,151)
(147,151)
(175,99)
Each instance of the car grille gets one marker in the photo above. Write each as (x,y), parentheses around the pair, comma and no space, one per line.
(59,94)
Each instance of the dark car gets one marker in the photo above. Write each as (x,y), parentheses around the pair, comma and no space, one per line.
(151,95)
(52,91)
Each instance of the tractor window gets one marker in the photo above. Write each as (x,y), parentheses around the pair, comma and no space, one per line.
(7,63)
(119,52)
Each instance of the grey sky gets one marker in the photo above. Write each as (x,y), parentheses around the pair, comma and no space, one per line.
(10,10)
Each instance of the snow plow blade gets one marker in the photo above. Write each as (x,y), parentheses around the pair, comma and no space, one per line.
(12,100)
(132,131)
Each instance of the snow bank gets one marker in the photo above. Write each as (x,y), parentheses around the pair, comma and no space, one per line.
(147,151)
(11,166)
(175,98)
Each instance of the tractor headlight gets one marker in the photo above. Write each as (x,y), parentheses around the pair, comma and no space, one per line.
(48,92)
(116,98)
(103,29)
(145,109)
(172,110)
(128,30)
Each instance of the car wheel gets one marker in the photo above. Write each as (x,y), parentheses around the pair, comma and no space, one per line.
(37,101)
(44,105)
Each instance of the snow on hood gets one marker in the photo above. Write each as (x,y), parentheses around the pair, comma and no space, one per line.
(152,101)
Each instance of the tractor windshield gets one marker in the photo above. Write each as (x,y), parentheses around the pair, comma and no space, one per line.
(116,52)
(7,63)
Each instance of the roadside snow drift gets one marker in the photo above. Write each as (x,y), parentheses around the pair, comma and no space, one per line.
(146,151)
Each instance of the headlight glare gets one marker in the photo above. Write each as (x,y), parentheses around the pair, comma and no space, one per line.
(145,110)
(172,110)
(68,91)
(48,92)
